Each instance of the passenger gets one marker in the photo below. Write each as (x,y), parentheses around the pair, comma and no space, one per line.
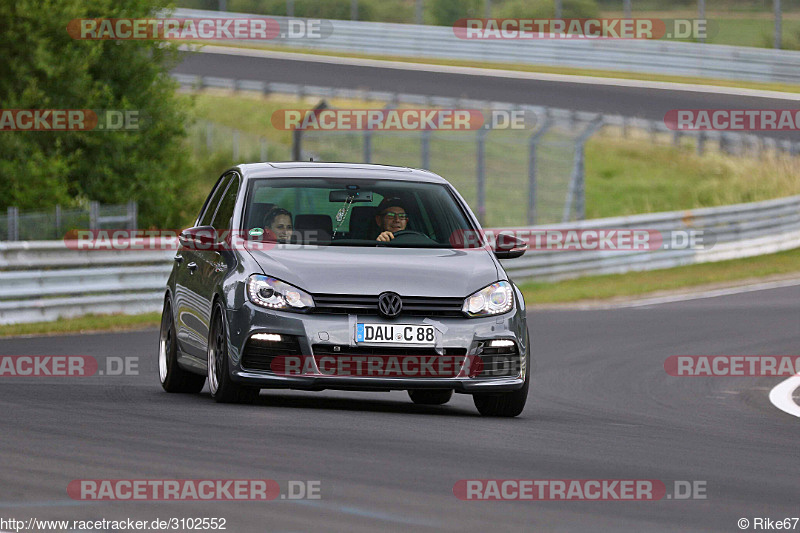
(279,221)
(391,218)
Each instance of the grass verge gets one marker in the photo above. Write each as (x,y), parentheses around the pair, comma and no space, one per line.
(83,324)
(598,288)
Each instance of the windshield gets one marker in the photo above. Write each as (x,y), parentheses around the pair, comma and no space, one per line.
(355,212)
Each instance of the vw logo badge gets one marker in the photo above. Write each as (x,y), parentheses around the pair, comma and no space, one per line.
(390,304)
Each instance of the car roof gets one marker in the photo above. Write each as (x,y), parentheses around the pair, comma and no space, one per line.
(314,169)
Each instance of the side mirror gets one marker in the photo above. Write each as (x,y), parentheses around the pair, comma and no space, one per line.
(508,247)
(199,238)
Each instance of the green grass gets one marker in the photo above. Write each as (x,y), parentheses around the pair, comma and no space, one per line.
(630,176)
(599,288)
(83,324)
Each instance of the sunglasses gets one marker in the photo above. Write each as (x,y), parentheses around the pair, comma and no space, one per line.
(400,216)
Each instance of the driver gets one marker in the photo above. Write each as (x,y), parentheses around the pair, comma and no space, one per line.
(391,218)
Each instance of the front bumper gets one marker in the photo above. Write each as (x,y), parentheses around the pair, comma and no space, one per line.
(465,334)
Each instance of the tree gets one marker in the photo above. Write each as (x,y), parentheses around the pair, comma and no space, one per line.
(42,67)
(446,12)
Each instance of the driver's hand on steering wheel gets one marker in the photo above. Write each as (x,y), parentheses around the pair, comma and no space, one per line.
(386,236)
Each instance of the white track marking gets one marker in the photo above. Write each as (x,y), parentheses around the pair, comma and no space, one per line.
(496,73)
(782,396)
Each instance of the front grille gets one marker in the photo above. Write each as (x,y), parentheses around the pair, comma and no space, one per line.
(368,305)
(328,349)
(452,360)
(259,354)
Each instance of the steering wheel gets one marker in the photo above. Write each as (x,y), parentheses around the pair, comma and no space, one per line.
(404,234)
(408,232)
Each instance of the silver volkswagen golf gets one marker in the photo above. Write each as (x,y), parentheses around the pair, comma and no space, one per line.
(316,276)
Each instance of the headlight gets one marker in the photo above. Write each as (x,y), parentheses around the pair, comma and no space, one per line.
(495,299)
(274,294)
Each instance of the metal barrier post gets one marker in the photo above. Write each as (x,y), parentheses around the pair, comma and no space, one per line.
(367,146)
(577,187)
(58,221)
(263,143)
(235,146)
(297,144)
(532,144)
(13,224)
(481,175)
(297,137)
(425,149)
(94,210)
(132,214)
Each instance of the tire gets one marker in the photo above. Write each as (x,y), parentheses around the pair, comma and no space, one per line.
(431,397)
(222,388)
(504,404)
(173,377)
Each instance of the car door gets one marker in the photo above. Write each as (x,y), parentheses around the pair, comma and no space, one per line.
(191,310)
(214,264)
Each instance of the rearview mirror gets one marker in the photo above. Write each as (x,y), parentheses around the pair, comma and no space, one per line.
(343,195)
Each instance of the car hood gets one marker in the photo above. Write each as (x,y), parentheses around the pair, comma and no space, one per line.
(373,270)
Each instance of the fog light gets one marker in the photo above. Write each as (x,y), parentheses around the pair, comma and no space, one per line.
(270,337)
(501,343)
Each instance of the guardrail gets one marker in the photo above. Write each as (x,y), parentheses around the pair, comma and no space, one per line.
(656,57)
(46,280)
(741,230)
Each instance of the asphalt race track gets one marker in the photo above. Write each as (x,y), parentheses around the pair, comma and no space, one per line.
(627,101)
(601,407)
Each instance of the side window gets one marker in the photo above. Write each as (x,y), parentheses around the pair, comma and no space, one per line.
(213,201)
(222,219)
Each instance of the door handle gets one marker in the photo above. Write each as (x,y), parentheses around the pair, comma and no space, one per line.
(192,267)
(179,259)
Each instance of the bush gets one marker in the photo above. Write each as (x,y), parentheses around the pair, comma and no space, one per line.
(446,12)
(324,9)
(546,9)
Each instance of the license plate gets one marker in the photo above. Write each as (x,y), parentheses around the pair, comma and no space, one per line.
(395,334)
